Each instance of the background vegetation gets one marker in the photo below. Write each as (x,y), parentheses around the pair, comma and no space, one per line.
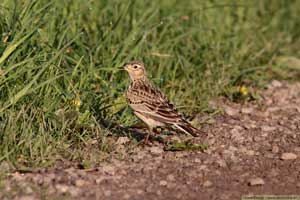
(59,59)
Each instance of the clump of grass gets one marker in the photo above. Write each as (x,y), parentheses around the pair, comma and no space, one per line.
(185,146)
(59,59)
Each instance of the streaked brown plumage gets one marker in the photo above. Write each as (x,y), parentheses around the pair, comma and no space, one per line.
(150,104)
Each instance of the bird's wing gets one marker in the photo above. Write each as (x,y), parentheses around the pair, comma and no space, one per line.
(150,101)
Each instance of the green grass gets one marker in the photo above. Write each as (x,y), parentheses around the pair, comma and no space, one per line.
(59,59)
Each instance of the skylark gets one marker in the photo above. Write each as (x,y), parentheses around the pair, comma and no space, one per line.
(150,104)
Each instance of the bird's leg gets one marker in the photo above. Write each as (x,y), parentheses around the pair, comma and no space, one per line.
(150,131)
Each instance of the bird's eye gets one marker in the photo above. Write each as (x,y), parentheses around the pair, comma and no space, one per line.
(135,66)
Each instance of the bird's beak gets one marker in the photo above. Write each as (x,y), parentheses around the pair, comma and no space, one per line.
(124,67)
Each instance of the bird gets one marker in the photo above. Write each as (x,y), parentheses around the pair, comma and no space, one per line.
(150,105)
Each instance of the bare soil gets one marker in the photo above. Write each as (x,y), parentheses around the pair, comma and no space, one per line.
(253,149)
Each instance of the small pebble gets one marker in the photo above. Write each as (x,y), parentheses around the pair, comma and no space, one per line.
(138,191)
(276,83)
(62,188)
(126,196)
(297,149)
(109,169)
(288,156)
(250,153)
(156,150)
(28,190)
(207,184)
(247,110)
(79,183)
(163,183)
(268,128)
(231,111)
(256,181)
(202,167)
(171,177)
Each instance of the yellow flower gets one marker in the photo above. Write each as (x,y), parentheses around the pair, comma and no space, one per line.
(76,102)
(244,90)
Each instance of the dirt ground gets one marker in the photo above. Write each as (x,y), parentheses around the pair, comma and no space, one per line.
(253,149)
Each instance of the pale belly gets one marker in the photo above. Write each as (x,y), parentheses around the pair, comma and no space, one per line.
(150,122)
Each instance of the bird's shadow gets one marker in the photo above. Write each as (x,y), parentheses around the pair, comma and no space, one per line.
(137,133)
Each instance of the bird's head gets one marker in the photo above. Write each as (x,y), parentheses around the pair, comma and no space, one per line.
(136,70)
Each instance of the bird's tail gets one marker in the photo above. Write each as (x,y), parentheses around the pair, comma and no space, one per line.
(187,128)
